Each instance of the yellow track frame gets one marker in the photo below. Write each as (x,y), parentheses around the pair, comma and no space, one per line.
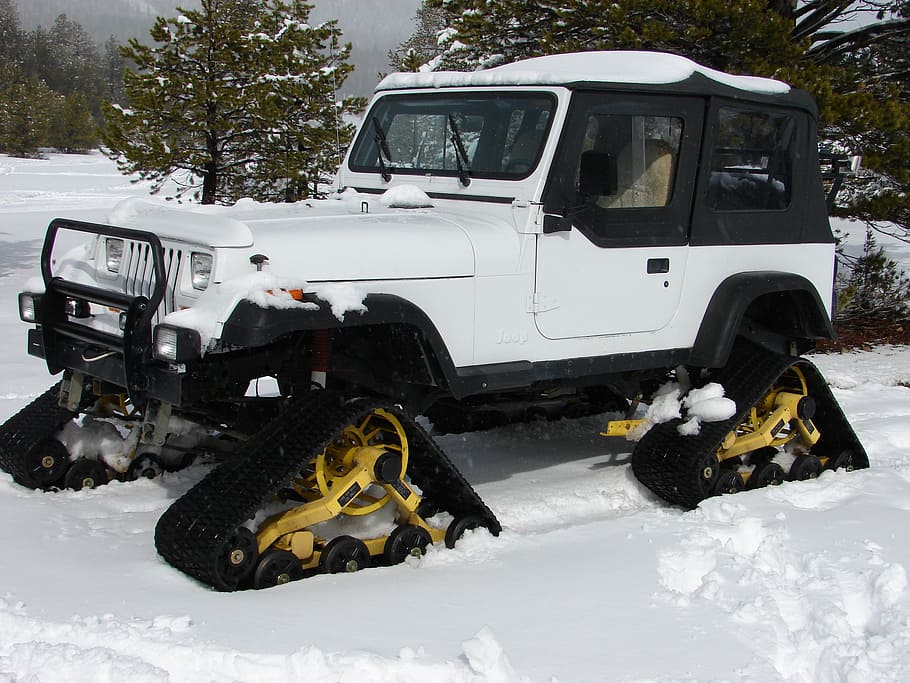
(350,477)
(776,420)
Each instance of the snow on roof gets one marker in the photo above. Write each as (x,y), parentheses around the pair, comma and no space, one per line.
(627,67)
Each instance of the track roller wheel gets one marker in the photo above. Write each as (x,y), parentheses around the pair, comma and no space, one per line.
(144,465)
(237,559)
(344,554)
(707,471)
(47,463)
(766,474)
(762,455)
(457,528)
(85,474)
(277,567)
(729,481)
(842,461)
(406,540)
(804,467)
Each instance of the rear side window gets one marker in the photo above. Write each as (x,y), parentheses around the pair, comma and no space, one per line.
(752,161)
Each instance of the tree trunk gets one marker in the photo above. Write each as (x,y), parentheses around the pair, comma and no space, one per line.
(210,172)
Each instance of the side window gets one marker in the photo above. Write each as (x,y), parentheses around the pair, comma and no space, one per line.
(640,154)
(625,168)
(752,161)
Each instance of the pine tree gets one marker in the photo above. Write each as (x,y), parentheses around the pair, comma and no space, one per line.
(235,99)
(114,66)
(71,127)
(876,287)
(424,45)
(10,32)
(25,112)
(298,135)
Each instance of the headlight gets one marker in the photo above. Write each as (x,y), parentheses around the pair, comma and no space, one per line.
(28,306)
(113,248)
(176,344)
(201,268)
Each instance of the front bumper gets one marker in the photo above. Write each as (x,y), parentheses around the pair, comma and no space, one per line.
(68,342)
(153,380)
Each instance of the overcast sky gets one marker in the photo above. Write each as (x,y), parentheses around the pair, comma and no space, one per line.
(373,27)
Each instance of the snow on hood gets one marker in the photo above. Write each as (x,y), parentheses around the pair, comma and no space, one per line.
(654,68)
(209,224)
(406,197)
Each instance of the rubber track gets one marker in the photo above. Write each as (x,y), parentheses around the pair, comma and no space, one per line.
(192,534)
(670,465)
(37,421)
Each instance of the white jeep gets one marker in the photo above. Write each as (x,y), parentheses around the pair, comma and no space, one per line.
(551,237)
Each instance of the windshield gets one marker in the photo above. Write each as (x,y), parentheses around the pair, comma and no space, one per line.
(500,134)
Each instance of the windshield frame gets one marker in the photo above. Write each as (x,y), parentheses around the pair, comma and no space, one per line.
(497,141)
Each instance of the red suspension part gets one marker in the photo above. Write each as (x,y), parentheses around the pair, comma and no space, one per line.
(322,345)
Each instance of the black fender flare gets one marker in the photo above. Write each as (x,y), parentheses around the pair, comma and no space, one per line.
(726,313)
(252,326)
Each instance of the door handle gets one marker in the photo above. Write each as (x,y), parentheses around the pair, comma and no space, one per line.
(658,265)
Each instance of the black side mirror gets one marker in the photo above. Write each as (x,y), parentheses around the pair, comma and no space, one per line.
(597,174)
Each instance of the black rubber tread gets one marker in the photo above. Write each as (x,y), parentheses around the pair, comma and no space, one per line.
(836,433)
(37,421)
(667,463)
(192,533)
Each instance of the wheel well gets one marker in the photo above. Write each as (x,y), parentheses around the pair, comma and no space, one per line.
(775,310)
(392,359)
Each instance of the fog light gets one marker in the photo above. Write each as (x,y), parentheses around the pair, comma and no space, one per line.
(176,344)
(29,304)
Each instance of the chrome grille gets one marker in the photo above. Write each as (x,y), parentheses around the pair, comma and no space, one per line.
(139,274)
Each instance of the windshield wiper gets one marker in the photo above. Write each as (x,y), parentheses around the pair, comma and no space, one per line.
(461,156)
(382,146)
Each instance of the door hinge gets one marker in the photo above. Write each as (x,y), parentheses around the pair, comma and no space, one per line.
(541,303)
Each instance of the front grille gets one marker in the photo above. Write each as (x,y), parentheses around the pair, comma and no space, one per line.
(139,274)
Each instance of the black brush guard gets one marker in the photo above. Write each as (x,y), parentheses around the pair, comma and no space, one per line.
(67,345)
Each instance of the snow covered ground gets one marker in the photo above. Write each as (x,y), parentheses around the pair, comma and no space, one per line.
(593,579)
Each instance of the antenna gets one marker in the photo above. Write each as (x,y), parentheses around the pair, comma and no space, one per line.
(335,101)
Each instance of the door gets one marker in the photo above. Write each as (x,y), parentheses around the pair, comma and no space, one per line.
(612,257)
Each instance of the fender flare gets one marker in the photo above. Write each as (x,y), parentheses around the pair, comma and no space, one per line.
(727,311)
(252,326)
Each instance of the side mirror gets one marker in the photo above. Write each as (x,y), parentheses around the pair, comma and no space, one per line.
(554,223)
(597,174)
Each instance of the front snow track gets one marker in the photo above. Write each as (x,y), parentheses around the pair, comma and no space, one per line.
(203,531)
(27,448)
(683,469)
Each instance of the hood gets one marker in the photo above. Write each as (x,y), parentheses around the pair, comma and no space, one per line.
(351,237)
(387,245)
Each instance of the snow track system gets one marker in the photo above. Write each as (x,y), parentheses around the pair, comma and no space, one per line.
(317,460)
(781,402)
(28,449)
(330,485)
